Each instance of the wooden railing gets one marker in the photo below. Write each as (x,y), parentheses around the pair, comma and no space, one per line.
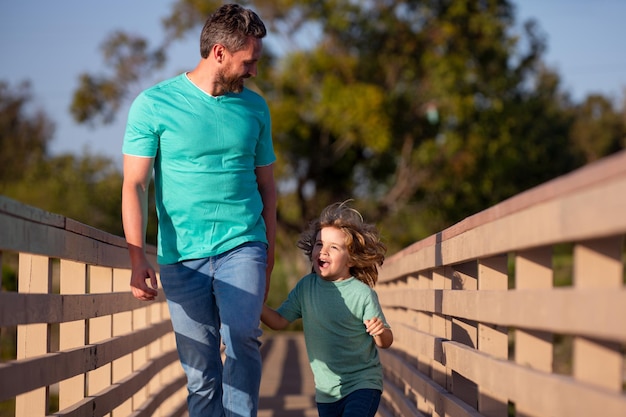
(82,339)
(519,310)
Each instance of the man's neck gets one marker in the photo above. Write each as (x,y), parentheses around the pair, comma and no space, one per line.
(203,77)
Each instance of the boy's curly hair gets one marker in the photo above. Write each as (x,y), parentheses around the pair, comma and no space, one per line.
(366,251)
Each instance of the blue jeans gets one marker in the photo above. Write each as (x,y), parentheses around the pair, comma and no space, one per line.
(360,403)
(217,299)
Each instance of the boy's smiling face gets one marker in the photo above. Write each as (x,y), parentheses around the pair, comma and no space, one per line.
(330,256)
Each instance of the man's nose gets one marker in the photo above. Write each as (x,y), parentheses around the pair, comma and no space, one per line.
(252,70)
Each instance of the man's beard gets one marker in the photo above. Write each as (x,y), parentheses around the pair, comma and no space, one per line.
(230,84)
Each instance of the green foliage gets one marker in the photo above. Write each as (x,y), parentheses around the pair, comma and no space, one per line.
(86,189)
(7,408)
(24,132)
(428,111)
(423,105)
(96,97)
(99,97)
(599,129)
(9,275)
(423,112)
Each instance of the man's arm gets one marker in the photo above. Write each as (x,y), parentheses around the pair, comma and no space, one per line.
(137,177)
(267,189)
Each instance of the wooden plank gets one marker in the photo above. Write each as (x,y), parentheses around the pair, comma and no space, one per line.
(42,233)
(465,278)
(73,280)
(556,310)
(441,327)
(424,323)
(17,308)
(122,324)
(559,395)
(533,270)
(598,264)
(608,169)
(140,356)
(34,276)
(117,395)
(443,402)
(100,281)
(492,338)
(287,386)
(24,375)
(154,402)
(401,403)
(586,214)
(273,360)
(15,209)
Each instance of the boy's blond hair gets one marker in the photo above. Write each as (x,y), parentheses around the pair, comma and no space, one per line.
(366,251)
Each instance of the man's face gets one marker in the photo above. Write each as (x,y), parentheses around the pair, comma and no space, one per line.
(240,65)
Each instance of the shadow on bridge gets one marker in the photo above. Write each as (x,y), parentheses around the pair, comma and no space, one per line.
(287,387)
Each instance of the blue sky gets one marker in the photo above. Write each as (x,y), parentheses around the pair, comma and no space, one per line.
(51,42)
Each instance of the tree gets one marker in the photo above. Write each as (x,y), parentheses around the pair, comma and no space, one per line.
(24,132)
(85,188)
(100,97)
(424,110)
(599,129)
(448,89)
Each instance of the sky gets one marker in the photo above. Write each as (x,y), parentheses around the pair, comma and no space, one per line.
(50,43)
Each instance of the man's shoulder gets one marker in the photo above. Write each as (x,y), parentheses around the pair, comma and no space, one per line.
(165,86)
(160,92)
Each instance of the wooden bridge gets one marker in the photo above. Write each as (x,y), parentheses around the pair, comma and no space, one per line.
(287,388)
(519,310)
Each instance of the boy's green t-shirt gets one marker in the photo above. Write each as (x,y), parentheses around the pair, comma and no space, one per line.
(343,356)
(206,150)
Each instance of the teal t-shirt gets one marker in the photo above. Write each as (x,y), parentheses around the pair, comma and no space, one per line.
(206,150)
(342,355)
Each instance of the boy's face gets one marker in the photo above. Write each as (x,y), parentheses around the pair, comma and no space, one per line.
(330,256)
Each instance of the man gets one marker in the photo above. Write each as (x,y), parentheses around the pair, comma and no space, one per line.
(208,140)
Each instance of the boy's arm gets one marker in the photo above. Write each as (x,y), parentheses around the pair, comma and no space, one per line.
(272,319)
(385,339)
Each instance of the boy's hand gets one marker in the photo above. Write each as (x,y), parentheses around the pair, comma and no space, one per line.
(374,326)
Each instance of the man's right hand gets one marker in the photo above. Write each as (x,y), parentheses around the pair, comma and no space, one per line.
(138,285)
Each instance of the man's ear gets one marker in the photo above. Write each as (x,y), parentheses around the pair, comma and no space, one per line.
(219,51)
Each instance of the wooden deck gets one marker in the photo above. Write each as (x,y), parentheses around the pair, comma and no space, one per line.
(287,387)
